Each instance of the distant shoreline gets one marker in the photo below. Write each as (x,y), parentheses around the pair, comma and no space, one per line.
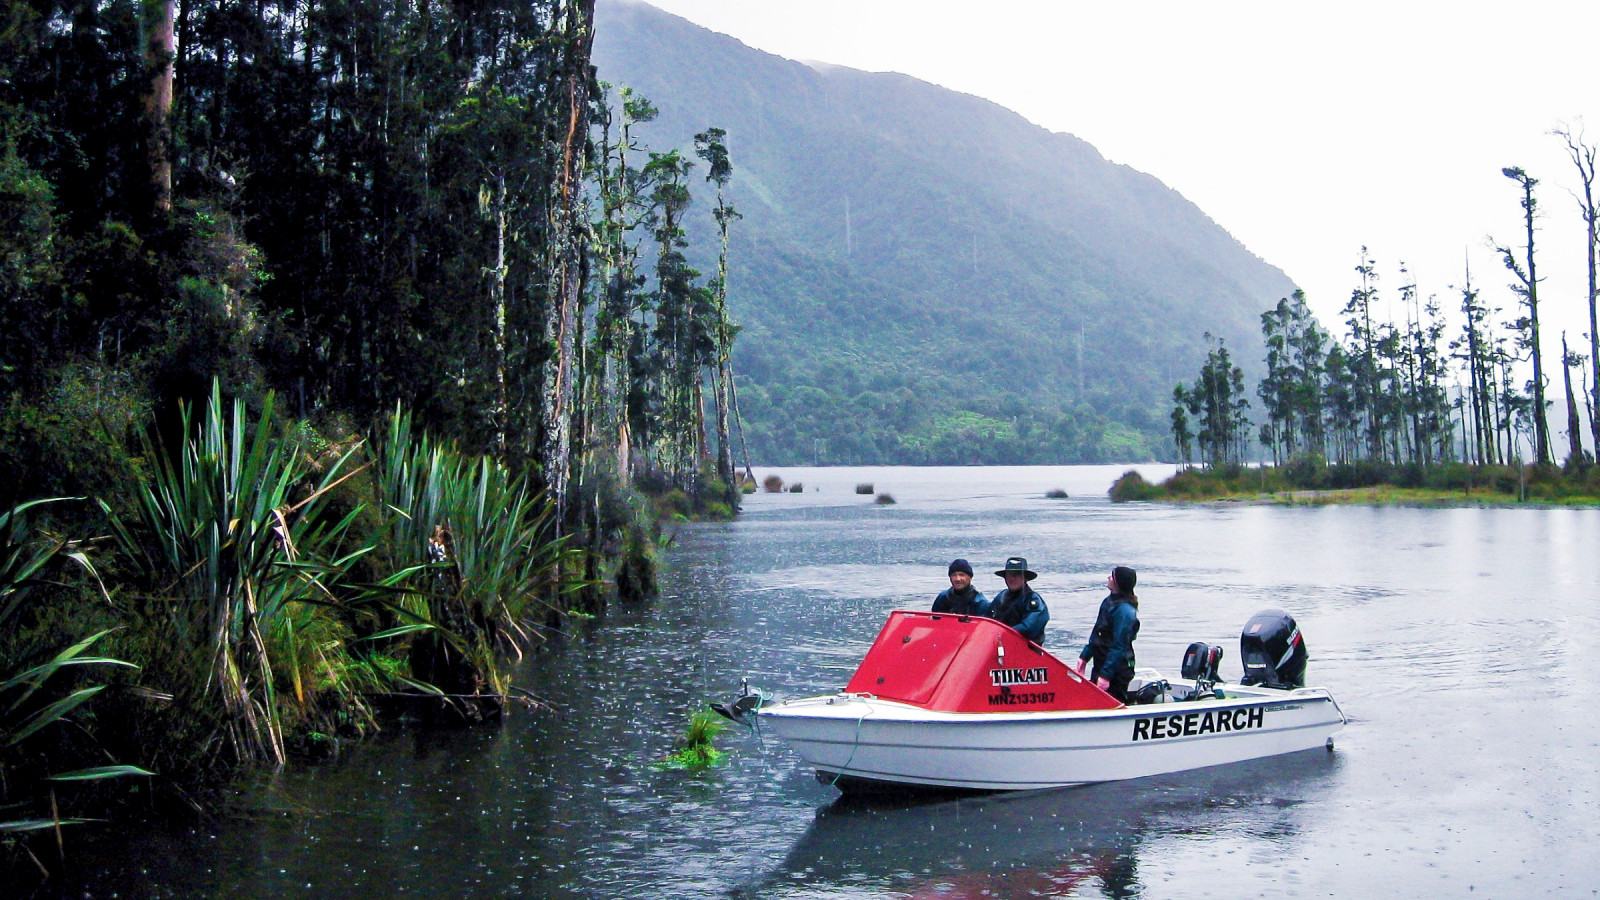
(1446,485)
(1391,495)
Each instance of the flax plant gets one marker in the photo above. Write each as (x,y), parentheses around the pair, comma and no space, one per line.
(37,695)
(231,541)
(473,557)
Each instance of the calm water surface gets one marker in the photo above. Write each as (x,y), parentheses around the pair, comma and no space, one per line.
(1458,640)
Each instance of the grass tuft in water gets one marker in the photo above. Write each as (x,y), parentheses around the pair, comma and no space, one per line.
(884,499)
(696,749)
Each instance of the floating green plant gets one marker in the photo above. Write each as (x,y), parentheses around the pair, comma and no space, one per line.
(696,750)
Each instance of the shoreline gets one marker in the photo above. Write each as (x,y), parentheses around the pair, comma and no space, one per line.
(1388,496)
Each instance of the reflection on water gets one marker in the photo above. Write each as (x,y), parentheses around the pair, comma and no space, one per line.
(1052,842)
(1460,642)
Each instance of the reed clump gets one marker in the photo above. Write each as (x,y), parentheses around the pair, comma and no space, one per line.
(267,583)
(864,487)
(1055,494)
(772,484)
(797,488)
(884,499)
(470,553)
(697,749)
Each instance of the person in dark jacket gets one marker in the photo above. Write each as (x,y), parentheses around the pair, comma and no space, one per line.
(962,599)
(1111,642)
(1019,605)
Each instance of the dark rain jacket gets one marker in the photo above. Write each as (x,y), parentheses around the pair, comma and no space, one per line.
(1025,611)
(1111,643)
(970,603)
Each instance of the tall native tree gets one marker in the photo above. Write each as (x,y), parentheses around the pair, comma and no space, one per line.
(1364,339)
(682,333)
(567,135)
(624,190)
(1182,436)
(1217,402)
(1474,349)
(1291,392)
(711,145)
(1582,154)
(1526,287)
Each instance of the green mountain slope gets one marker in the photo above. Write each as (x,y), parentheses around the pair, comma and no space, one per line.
(926,277)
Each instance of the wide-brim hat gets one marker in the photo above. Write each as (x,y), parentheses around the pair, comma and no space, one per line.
(1018,564)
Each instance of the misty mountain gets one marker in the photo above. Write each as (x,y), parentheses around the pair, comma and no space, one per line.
(924,276)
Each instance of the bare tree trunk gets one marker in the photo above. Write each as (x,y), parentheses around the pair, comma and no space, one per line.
(497,289)
(1574,425)
(724,445)
(159,51)
(738,424)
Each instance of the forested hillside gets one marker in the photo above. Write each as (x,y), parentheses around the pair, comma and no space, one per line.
(923,276)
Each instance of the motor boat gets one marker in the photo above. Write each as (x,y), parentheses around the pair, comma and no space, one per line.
(963,702)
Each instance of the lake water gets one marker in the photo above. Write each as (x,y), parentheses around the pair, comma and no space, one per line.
(1459,641)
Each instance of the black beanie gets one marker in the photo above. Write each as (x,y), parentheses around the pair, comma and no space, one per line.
(960,565)
(1125,578)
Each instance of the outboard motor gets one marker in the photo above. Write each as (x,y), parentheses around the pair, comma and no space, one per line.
(1200,662)
(1273,651)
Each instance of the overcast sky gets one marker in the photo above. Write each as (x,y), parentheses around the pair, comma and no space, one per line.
(1305,130)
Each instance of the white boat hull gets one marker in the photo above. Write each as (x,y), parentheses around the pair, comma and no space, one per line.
(858,740)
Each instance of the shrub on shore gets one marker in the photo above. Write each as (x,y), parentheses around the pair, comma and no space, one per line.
(1132,486)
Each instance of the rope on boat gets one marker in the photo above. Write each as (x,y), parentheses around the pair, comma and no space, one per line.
(854,744)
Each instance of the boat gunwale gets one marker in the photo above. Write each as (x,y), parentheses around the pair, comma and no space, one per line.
(902,712)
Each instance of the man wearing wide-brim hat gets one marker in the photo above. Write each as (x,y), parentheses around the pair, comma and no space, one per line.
(1018,605)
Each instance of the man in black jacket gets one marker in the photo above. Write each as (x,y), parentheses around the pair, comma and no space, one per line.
(962,599)
(1019,605)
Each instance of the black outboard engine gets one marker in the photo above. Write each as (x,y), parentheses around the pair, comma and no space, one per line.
(1273,651)
(1200,662)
